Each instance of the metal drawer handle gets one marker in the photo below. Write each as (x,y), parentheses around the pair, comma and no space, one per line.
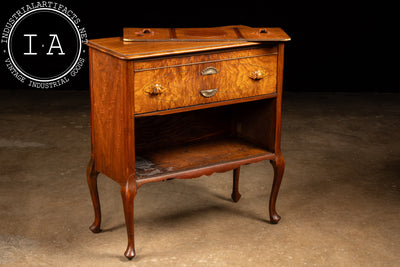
(209,71)
(209,92)
(156,89)
(257,75)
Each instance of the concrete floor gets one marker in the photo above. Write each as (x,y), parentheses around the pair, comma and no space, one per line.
(339,200)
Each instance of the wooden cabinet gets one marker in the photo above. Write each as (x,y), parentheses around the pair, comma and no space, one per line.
(183,109)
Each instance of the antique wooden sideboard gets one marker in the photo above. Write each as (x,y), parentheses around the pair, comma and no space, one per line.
(182,103)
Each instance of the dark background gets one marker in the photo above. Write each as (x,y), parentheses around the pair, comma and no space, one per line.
(336,45)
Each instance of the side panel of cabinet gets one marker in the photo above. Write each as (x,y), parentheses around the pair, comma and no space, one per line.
(112,118)
(261,124)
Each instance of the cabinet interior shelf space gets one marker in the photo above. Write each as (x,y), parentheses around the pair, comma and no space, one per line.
(176,145)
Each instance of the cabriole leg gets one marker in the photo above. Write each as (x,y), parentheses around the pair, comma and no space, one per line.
(128,193)
(92,174)
(279,166)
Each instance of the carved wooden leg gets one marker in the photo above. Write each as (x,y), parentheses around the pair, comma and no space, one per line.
(279,166)
(128,193)
(92,174)
(235,189)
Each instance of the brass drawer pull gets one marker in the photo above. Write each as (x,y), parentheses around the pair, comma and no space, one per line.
(257,75)
(209,92)
(209,71)
(155,89)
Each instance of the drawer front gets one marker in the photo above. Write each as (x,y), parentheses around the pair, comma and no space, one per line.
(206,81)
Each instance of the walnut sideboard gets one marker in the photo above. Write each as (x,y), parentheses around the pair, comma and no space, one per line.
(182,109)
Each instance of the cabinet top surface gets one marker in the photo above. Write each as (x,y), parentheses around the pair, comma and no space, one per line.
(137,48)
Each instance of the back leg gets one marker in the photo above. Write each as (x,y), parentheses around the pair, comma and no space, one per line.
(92,174)
(235,189)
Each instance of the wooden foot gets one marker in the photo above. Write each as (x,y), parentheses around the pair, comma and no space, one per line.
(235,189)
(279,166)
(92,174)
(128,193)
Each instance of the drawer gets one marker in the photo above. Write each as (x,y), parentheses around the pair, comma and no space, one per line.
(189,81)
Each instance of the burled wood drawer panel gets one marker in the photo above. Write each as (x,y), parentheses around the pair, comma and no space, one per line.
(202,79)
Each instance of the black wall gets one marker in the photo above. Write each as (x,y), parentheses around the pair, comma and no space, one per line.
(336,46)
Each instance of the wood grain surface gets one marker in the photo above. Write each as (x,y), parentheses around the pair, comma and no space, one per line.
(225,33)
(174,161)
(183,80)
(112,121)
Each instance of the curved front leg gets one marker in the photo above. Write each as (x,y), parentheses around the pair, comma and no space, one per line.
(128,193)
(91,175)
(279,167)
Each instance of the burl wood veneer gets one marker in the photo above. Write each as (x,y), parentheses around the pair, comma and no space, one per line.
(184,108)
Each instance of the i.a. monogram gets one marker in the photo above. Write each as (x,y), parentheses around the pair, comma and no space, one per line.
(42,42)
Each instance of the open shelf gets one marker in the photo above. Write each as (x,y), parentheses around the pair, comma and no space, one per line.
(175,162)
(197,142)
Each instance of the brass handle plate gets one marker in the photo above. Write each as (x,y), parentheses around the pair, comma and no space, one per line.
(209,71)
(257,75)
(155,89)
(208,92)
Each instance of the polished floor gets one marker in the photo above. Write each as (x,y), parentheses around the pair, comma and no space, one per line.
(339,199)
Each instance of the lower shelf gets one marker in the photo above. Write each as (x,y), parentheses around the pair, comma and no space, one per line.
(196,159)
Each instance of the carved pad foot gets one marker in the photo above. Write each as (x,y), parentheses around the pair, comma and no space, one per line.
(130,252)
(235,197)
(275,218)
(95,228)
